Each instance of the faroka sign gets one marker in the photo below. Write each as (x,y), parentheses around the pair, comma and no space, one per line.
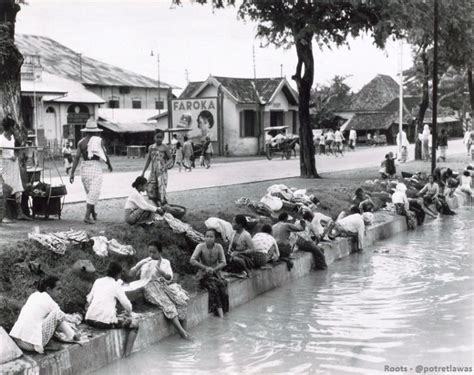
(198,115)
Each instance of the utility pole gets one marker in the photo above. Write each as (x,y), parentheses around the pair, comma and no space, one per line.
(400,94)
(257,122)
(435,87)
(281,70)
(186,76)
(159,82)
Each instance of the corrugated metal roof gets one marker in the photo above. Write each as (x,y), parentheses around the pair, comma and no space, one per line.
(126,127)
(61,60)
(72,91)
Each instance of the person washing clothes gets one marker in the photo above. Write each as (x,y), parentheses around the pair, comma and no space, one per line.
(92,150)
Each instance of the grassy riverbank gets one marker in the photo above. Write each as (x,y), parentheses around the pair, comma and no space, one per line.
(17,281)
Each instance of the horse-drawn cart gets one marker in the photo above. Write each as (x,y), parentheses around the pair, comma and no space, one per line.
(277,142)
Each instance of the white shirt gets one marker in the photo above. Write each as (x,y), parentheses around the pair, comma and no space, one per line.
(352,134)
(150,266)
(338,136)
(466,181)
(102,300)
(316,226)
(404,140)
(354,224)
(28,326)
(399,197)
(137,200)
(4,142)
(330,136)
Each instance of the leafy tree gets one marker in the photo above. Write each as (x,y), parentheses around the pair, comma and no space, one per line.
(326,98)
(10,62)
(299,23)
(455,45)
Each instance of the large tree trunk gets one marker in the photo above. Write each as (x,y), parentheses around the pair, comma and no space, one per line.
(10,66)
(471,88)
(304,82)
(425,100)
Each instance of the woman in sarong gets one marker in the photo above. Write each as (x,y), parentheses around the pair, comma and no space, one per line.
(137,209)
(10,169)
(40,317)
(159,156)
(210,259)
(266,247)
(155,271)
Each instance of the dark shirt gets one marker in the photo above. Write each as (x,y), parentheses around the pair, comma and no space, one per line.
(443,140)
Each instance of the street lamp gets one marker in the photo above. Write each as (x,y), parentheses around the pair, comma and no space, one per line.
(159,83)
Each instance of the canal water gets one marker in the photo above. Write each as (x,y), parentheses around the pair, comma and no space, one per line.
(406,302)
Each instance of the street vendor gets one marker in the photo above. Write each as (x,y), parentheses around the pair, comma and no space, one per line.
(92,149)
(10,169)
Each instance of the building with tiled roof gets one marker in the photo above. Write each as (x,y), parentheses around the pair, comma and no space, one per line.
(61,89)
(247,106)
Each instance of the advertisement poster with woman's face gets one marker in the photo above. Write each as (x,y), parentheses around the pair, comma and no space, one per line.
(198,115)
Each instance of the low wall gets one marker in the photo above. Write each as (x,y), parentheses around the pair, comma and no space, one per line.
(105,347)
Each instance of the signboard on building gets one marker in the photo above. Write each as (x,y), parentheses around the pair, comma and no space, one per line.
(199,115)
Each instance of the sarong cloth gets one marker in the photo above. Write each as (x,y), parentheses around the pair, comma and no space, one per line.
(138,216)
(217,289)
(158,180)
(10,172)
(172,299)
(91,176)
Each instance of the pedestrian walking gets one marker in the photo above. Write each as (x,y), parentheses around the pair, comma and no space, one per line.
(352,139)
(67,156)
(402,143)
(425,139)
(188,152)
(179,156)
(338,139)
(159,156)
(92,150)
(207,152)
(467,140)
(443,145)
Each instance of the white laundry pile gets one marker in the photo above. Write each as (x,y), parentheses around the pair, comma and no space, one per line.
(102,246)
(59,241)
(222,226)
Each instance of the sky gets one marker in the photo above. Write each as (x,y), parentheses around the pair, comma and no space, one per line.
(191,37)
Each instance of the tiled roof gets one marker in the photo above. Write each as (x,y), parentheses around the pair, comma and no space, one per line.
(190,88)
(373,120)
(243,89)
(61,60)
(410,102)
(375,95)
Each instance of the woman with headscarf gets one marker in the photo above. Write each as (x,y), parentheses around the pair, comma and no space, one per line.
(402,205)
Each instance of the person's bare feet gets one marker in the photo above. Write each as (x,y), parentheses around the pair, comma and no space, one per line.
(89,221)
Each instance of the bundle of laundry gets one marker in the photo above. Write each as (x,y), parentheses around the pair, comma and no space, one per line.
(102,246)
(223,227)
(178,226)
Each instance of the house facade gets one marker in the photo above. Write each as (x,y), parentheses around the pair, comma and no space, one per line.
(61,90)
(247,107)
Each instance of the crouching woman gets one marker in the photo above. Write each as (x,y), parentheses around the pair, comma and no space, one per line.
(210,259)
(40,317)
(137,209)
(159,290)
(101,311)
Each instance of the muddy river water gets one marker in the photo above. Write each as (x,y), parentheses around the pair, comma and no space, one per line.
(404,303)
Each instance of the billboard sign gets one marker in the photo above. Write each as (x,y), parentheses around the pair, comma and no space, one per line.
(199,115)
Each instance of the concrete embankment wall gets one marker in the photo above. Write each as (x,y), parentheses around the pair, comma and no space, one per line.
(106,347)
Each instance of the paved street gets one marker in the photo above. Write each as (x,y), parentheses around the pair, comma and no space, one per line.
(118,185)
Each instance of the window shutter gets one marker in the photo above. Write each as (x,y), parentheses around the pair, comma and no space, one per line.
(242,124)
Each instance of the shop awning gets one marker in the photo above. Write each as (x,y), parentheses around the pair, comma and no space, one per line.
(127,127)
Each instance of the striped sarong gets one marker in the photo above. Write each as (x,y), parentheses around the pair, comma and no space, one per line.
(10,172)
(91,176)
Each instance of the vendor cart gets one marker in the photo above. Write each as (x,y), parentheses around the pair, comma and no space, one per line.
(285,146)
(47,200)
